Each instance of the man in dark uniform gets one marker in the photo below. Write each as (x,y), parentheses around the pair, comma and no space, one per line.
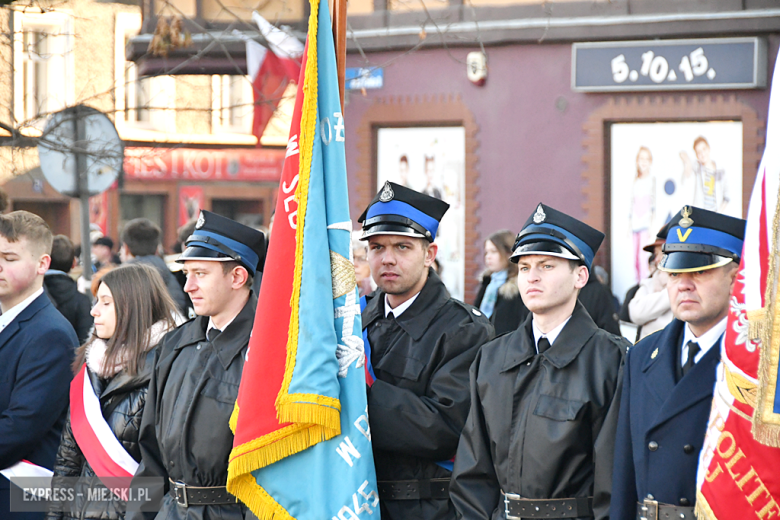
(184,435)
(539,438)
(670,375)
(422,342)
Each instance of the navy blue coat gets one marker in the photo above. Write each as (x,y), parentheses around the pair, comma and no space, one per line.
(36,350)
(655,409)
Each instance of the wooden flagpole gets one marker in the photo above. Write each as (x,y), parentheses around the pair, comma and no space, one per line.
(340,43)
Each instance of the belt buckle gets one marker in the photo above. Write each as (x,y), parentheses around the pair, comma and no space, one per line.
(507,498)
(180,486)
(649,510)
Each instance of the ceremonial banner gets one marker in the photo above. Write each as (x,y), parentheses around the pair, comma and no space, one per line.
(738,476)
(302,447)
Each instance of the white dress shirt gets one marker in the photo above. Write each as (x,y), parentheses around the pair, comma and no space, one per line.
(706,341)
(9,315)
(551,336)
(401,308)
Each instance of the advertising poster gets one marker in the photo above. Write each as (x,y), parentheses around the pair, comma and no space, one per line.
(656,169)
(191,201)
(432,160)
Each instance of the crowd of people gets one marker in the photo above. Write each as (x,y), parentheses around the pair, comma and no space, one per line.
(527,404)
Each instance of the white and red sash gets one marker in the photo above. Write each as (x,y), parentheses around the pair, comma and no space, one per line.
(25,468)
(97,442)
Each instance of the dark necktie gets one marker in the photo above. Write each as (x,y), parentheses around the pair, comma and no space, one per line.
(212,334)
(543,345)
(693,349)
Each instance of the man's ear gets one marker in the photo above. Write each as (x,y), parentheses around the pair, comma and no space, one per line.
(582,277)
(239,276)
(430,254)
(43,264)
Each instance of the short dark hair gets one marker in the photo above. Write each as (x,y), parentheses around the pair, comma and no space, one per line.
(62,253)
(230,265)
(141,236)
(104,241)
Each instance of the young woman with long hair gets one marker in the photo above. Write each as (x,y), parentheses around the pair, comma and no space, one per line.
(498,296)
(132,313)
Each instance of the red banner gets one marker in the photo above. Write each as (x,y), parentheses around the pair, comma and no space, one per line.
(191,201)
(195,164)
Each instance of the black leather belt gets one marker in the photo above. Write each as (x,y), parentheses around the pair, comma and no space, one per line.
(424,489)
(517,508)
(652,510)
(200,496)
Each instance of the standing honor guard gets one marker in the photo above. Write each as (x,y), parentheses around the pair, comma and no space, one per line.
(670,375)
(421,344)
(539,439)
(184,437)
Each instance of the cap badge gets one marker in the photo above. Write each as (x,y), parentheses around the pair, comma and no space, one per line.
(387,193)
(201,221)
(540,215)
(686,221)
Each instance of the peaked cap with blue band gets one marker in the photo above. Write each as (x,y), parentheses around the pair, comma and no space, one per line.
(398,210)
(553,233)
(220,239)
(699,240)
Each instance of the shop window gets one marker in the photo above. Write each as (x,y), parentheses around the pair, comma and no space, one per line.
(133,206)
(43,65)
(233,104)
(141,102)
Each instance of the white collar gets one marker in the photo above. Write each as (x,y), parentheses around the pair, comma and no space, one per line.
(212,326)
(706,341)
(9,315)
(551,336)
(401,308)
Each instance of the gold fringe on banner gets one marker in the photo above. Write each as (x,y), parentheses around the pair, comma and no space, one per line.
(766,423)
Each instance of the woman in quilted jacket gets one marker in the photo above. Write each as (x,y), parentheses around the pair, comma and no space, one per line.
(132,313)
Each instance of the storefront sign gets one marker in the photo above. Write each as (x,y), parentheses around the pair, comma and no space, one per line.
(727,63)
(358,78)
(164,164)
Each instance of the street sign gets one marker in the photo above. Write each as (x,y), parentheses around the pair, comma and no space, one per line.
(358,78)
(706,64)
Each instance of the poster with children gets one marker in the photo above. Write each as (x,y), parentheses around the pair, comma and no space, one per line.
(656,169)
(432,160)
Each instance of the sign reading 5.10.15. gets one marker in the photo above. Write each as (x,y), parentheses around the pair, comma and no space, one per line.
(728,63)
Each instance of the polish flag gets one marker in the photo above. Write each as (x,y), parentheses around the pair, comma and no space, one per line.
(271,69)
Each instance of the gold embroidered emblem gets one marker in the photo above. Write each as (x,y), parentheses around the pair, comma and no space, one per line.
(654,354)
(683,237)
(343,274)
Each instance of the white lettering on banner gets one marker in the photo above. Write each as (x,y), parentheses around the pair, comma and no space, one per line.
(291,216)
(372,500)
(366,431)
(339,126)
(345,449)
(325,124)
(292,146)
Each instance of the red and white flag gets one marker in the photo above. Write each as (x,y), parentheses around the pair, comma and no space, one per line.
(271,69)
(738,473)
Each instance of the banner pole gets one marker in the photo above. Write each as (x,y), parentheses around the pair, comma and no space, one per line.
(340,43)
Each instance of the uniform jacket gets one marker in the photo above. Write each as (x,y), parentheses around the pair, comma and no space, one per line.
(184,431)
(509,311)
(64,294)
(672,415)
(122,401)
(541,425)
(599,303)
(419,401)
(36,350)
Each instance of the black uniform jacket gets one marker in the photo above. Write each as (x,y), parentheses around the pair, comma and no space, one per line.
(122,401)
(184,431)
(420,399)
(671,415)
(541,425)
